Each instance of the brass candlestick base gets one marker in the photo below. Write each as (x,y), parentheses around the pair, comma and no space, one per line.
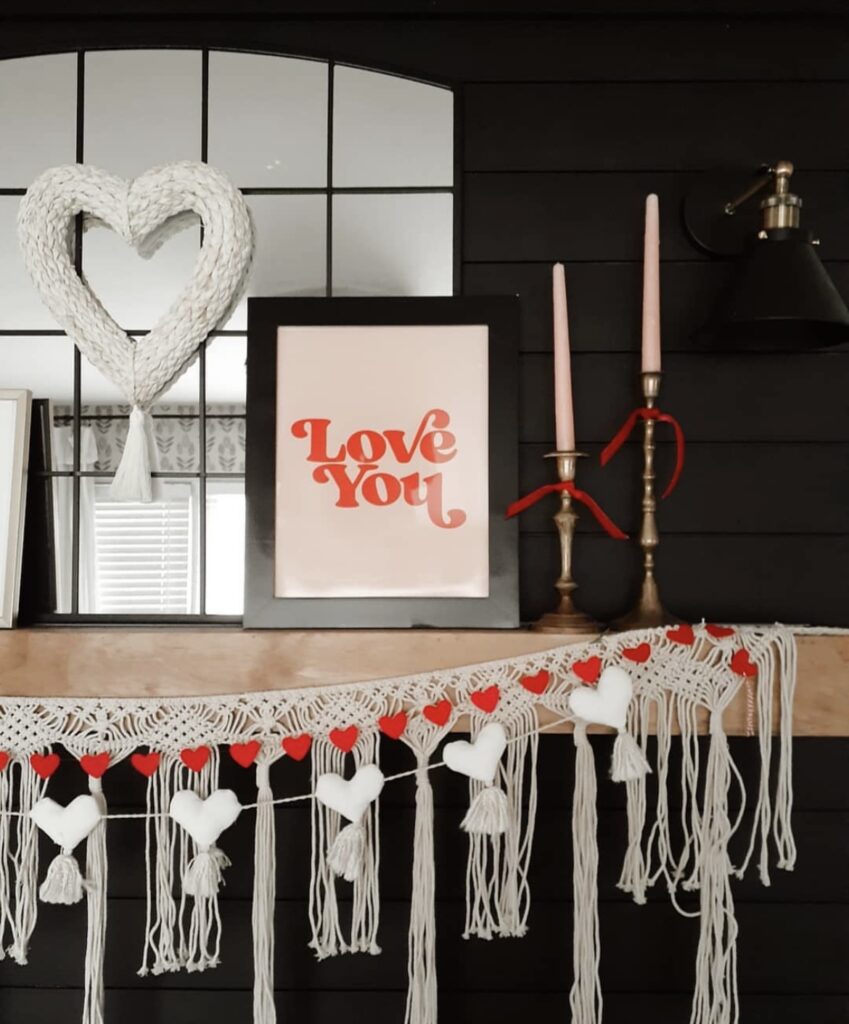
(649,610)
(566,617)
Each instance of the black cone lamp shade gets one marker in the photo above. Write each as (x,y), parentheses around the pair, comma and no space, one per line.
(780,296)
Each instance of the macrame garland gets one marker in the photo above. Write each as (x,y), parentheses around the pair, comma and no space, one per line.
(501,827)
(336,850)
(264,891)
(585,997)
(96,878)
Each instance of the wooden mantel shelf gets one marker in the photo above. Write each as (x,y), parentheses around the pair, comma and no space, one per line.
(138,662)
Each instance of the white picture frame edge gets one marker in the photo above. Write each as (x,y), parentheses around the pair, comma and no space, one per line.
(11,582)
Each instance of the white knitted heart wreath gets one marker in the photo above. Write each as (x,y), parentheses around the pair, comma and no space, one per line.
(144,212)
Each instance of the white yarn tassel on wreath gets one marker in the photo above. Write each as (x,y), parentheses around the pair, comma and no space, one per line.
(585,996)
(350,852)
(132,480)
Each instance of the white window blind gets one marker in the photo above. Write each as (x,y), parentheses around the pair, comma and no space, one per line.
(146,552)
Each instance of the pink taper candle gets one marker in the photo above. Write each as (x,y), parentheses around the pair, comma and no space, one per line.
(651,288)
(564,418)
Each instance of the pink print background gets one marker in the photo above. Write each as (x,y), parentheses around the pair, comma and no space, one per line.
(377,379)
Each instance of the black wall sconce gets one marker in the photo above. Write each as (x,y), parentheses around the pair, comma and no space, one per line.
(780,295)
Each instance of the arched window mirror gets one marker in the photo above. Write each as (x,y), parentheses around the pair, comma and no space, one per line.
(349,174)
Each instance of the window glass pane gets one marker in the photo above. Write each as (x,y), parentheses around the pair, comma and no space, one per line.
(136,291)
(225,405)
(142,109)
(21,308)
(225,547)
(290,256)
(38,116)
(175,420)
(391,131)
(139,557)
(268,120)
(392,245)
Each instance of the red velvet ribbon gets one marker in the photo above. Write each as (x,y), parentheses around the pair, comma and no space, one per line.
(566,485)
(661,417)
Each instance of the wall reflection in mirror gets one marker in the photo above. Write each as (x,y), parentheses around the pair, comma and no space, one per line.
(389,232)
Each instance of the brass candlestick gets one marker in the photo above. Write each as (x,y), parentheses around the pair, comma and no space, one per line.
(566,617)
(648,611)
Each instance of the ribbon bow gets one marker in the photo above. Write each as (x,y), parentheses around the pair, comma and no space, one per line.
(661,417)
(566,485)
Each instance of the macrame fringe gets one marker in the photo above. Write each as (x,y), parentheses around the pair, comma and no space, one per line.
(132,480)
(629,762)
(63,883)
(421,947)
(489,813)
(24,862)
(715,999)
(634,876)
(498,897)
(328,938)
(262,913)
(161,953)
(96,875)
(585,997)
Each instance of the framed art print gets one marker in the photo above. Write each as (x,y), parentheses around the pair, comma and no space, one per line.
(15,406)
(381,454)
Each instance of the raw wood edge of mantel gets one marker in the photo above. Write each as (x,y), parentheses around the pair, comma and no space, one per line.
(155,662)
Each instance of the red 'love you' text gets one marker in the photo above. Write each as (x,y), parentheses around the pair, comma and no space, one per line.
(356,468)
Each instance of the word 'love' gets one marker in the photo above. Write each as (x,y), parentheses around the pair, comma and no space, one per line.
(355,466)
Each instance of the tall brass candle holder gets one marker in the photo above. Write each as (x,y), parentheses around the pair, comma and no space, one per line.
(649,610)
(566,617)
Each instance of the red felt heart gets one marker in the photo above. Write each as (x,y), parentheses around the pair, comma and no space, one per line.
(4,760)
(487,700)
(44,764)
(681,635)
(297,747)
(245,753)
(538,683)
(195,758)
(145,764)
(588,671)
(641,653)
(743,665)
(438,713)
(719,632)
(95,765)
(344,739)
(393,725)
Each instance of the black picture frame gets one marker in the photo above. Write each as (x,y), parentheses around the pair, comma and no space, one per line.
(500,609)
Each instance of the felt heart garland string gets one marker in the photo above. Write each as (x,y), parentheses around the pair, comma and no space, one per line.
(622,435)
(601,516)
(330,746)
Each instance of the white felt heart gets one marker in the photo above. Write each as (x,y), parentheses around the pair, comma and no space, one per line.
(350,797)
(607,702)
(67,826)
(478,760)
(143,212)
(205,820)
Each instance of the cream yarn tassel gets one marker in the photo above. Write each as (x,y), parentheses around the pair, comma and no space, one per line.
(160,950)
(63,884)
(132,478)
(262,914)
(96,872)
(585,997)
(421,947)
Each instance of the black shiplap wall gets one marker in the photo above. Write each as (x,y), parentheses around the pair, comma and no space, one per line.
(567,124)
